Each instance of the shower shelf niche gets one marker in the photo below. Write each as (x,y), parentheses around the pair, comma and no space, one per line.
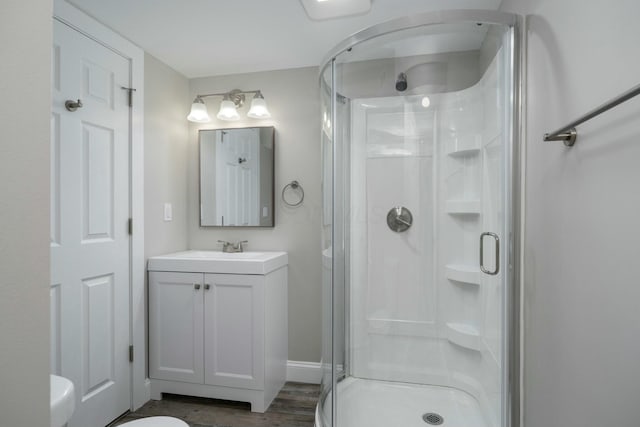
(464,335)
(463,273)
(463,207)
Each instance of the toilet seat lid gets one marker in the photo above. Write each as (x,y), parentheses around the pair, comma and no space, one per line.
(156,422)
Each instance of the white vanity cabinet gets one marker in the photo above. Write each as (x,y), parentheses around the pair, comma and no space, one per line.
(220,335)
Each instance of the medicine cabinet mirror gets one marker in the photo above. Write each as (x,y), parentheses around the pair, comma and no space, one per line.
(237,177)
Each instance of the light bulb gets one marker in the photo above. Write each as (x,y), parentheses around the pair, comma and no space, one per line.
(228,111)
(198,112)
(426,102)
(258,108)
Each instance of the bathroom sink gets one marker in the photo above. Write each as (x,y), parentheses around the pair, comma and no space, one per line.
(63,400)
(220,262)
(222,255)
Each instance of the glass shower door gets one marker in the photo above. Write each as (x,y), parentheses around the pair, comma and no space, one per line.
(335,252)
(417,151)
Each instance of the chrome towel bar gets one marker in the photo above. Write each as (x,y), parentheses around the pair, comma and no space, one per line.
(568,134)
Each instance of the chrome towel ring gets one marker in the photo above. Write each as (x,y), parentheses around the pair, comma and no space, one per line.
(294,186)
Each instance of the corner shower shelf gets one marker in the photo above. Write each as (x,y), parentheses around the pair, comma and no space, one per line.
(463,273)
(463,335)
(463,207)
(462,152)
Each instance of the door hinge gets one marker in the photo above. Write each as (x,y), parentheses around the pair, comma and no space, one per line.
(130,226)
(130,353)
(130,91)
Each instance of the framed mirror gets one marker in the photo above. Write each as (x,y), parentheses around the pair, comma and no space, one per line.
(237,177)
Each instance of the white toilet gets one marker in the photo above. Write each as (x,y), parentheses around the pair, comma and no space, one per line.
(62,399)
(156,422)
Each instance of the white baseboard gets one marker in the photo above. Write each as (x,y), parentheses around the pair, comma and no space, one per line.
(304,372)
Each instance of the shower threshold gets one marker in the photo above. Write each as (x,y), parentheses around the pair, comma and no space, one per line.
(372,403)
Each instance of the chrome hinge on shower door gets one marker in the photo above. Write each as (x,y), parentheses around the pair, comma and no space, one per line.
(130,226)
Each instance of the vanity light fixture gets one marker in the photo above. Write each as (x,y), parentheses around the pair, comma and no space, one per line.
(231,101)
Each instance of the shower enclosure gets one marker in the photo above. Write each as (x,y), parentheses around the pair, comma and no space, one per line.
(419,120)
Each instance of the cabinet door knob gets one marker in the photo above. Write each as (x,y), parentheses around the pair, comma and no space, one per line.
(207,286)
(196,286)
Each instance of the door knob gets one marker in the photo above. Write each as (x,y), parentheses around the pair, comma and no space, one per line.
(73,105)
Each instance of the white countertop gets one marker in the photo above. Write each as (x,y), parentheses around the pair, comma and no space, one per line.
(249,262)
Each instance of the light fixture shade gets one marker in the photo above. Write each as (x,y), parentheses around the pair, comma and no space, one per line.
(228,111)
(258,108)
(198,112)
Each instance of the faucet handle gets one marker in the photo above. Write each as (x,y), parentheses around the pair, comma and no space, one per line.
(239,244)
(227,246)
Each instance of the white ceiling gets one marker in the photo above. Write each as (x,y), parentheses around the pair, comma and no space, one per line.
(215,37)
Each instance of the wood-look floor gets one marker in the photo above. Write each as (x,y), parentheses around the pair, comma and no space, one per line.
(293,407)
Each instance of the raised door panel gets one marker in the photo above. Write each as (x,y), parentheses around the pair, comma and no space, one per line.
(234,330)
(54,325)
(175,327)
(97,183)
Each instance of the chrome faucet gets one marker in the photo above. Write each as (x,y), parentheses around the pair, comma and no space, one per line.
(232,247)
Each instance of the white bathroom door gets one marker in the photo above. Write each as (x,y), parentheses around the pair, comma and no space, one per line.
(90,243)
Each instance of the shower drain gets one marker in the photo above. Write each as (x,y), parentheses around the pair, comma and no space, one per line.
(433,418)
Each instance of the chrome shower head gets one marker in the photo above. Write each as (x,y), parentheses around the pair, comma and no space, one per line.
(401,82)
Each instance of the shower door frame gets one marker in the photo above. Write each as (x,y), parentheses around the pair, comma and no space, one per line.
(513,188)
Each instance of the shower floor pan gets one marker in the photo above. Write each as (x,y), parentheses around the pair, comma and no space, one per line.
(371,403)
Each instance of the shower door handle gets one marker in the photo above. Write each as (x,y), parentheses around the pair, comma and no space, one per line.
(497,269)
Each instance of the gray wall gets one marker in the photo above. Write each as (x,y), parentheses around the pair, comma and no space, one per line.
(293,100)
(581,289)
(165,157)
(25,58)
(166,98)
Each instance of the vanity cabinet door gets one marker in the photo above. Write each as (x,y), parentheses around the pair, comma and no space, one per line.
(234,330)
(176,326)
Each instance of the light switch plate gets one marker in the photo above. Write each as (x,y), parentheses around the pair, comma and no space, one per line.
(168,212)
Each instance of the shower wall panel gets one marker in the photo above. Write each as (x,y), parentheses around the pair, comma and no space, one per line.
(393,285)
